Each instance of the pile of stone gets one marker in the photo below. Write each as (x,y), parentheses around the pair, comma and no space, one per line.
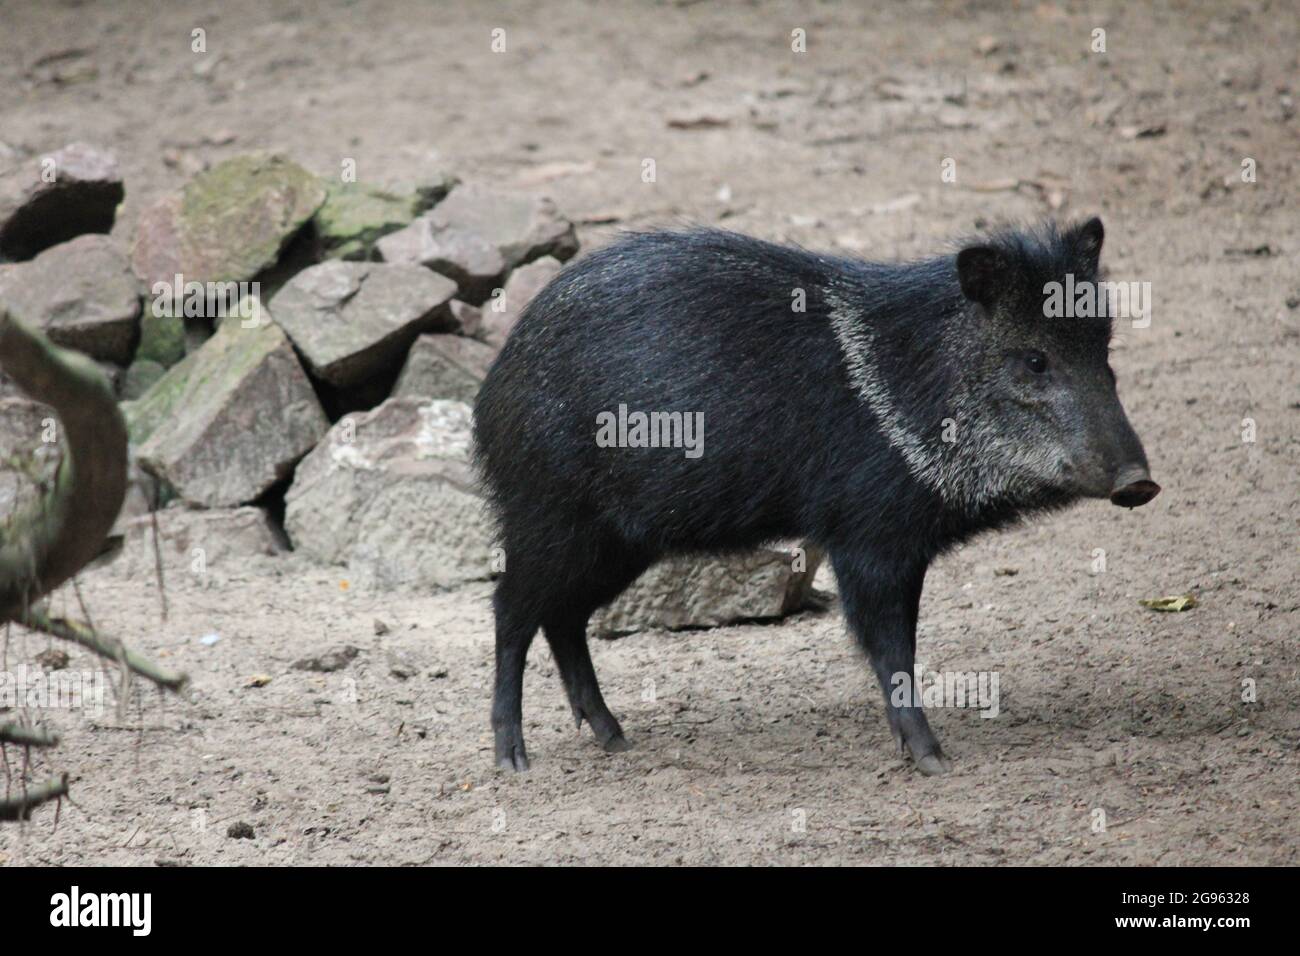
(297,360)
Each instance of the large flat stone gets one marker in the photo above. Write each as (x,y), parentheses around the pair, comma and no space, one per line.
(522,228)
(82,293)
(228,224)
(467,258)
(501,312)
(391,495)
(197,542)
(444,366)
(230,420)
(354,217)
(686,592)
(50,199)
(354,320)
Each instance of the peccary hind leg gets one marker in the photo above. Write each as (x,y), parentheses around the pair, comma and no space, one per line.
(594,575)
(568,639)
(613,566)
(515,633)
(882,612)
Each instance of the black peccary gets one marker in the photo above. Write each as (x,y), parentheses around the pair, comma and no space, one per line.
(905,409)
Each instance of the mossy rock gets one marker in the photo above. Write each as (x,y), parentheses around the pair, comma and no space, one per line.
(140,376)
(229,223)
(354,217)
(230,420)
(162,339)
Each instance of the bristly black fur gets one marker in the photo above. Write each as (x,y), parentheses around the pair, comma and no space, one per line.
(704,321)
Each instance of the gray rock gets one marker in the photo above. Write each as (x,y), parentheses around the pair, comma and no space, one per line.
(53,659)
(433,186)
(465,257)
(83,197)
(402,664)
(229,421)
(391,494)
(328,662)
(444,366)
(197,541)
(29,451)
(522,228)
(709,591)
(467,318)
(501,312)
(351,320)
(241,830)
(82,293)
(23,430)
(228,224)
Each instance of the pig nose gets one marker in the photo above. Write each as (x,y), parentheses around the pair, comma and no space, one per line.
(1133,488)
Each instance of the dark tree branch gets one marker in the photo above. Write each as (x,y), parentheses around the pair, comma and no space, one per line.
(53,538)
(20,806)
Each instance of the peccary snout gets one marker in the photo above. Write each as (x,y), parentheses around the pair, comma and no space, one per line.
(1134,487)
(1131,486)
(1113,459)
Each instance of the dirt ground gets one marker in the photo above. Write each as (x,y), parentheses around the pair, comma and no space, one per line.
(760,743)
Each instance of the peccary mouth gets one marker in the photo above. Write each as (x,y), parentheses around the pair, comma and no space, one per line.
(1133,488)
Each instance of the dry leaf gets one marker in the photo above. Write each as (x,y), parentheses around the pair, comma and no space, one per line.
(698,122)
(1143,132)
(995,186)
(1174,602)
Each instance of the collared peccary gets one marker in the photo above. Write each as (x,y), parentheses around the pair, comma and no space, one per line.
(885,412)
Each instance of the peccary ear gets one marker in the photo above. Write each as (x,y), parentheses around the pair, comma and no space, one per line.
(982,271)
(1086,238)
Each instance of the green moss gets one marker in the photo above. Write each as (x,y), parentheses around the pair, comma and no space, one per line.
(140,377)
(162,339)
(355,217)
(231,226)
(203,377)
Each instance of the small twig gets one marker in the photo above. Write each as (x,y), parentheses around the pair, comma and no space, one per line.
(157,555)
(1123,823)
(109,648)
(81,603)
(125,691)
(20,807)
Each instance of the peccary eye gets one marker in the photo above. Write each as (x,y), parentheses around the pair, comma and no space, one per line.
(1036,362)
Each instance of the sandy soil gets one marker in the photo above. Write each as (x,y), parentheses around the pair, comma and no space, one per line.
(762,744)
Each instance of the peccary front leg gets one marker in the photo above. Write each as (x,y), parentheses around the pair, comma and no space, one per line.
(881,604)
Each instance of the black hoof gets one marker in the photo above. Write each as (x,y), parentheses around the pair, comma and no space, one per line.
(513,758)
(933,764)
(616,745)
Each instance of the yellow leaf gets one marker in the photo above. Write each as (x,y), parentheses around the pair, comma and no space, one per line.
(258,680)
(1174,602)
